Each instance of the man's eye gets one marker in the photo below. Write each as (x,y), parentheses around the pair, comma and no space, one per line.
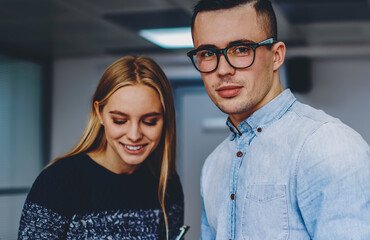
(240,50)
(206,54)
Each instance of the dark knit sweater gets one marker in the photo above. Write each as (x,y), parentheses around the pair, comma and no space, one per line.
(76,198)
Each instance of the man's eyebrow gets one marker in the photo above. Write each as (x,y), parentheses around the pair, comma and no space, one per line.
(206,46)
(241,41)
(212,46)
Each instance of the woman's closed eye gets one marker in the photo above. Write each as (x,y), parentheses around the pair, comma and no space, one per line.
(119,121)
(150,122)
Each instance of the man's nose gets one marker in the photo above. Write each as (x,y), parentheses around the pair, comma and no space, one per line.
(224,68)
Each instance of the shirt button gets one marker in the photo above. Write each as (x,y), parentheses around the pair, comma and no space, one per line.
(239,154)
(232,196)
(259,129)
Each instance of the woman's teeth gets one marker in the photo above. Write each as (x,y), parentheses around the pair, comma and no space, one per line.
(134,148)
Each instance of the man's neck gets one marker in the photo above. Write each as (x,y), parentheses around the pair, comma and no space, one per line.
(236,119)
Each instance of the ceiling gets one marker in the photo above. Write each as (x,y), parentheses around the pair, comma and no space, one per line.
(75,28)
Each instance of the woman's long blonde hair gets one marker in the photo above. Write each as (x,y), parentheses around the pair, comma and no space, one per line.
(126,71)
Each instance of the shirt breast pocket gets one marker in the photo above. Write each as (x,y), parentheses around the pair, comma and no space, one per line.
(265,213)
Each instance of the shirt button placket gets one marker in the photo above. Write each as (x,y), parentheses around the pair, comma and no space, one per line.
(239,154)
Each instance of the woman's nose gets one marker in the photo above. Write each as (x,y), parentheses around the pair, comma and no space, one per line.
(134,133)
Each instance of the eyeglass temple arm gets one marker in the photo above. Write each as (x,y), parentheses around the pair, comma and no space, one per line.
(267,41)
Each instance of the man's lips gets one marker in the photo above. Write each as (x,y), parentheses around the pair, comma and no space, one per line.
(229,91)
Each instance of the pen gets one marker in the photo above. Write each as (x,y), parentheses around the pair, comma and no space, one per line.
(183,230)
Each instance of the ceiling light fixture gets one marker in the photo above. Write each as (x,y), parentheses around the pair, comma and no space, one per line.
(169,38)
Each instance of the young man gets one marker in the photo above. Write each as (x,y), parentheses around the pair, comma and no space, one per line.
(287,171)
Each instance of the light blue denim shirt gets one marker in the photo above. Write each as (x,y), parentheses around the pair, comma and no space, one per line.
(293,173)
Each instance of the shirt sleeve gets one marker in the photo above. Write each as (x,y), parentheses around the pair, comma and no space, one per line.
(44,212)
(333,184)
(205,230)
(206,233)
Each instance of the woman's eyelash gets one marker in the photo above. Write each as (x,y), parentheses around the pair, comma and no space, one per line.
(119,122)
(151,122)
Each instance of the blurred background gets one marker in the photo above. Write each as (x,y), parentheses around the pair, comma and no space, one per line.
(53,52)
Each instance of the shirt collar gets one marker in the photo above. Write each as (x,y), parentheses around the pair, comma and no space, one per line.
(264,116)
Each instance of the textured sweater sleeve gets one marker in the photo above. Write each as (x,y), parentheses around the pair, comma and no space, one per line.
(38,222)
(44,212)
(175,212)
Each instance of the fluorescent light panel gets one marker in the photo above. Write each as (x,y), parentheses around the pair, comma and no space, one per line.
(169,38)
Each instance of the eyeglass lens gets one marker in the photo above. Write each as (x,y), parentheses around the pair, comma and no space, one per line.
(237,56)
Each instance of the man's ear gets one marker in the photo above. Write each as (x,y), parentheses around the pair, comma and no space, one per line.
(97,111)
(279,50)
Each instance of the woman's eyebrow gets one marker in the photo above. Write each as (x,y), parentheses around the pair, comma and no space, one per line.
(150,114)
(118,113)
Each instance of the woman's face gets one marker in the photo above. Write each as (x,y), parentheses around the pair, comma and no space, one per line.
(133,123)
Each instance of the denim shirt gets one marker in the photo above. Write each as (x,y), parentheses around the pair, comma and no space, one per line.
(291,172)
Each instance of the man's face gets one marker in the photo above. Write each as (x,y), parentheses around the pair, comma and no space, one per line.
(237,92)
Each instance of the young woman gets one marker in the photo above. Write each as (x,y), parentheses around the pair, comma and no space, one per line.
(120,180)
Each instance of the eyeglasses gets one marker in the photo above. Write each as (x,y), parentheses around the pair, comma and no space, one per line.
(239,55)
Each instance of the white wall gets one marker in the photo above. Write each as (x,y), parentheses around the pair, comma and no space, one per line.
(74,83)
(342,89)
(199,132)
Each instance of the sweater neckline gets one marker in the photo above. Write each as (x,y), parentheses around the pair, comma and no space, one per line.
(106,171)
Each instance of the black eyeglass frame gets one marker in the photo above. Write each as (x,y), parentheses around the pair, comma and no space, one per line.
(223,51)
